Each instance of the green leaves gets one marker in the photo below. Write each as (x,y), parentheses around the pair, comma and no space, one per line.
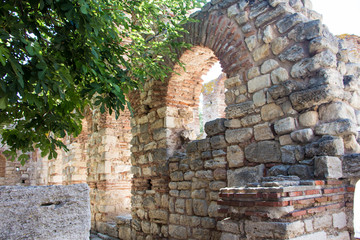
(58,56)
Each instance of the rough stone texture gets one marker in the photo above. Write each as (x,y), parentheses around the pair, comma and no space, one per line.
(337,128)
(242,176)
(263,152)
(303,135)
(238,135)
(328,167)
(285,125)
(351,166)
(52,212)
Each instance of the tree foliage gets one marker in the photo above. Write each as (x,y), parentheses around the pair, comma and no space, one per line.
(57,56)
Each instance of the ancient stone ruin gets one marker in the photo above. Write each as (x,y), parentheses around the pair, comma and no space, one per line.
(279,162)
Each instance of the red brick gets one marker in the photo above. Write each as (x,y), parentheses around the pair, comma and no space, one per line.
(350,189)
(273,204)
(316,210)
(295,194)
(336,197)
(298,213)
(312,192)
(333,206)
(319,182)
(334,182)
(305,201)
(321,199)
(246,204)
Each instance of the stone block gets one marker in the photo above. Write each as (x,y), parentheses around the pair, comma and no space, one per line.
(285,125)
(279,75)
(269,34)
(250,120)
(326,146)
(278,170)
(321,43)
(229,236)
(339,220)
(291,154)
(306,31)
(259,98)
(328,167)
(218,142)
(235,156)
(253,72)
(339,127)
(261,52)
(293,54)
(302,171)
(228,225)
(351,165)
(271,111)
(279,44)
(46,212)
(242,18)
(263,152)
(316,96)
(285,140)
(242,176)
(280,9)
(178,231)
(215,163)
(263,132)
(273,230)
(322,222)
(259,83)
(303,135)
(268,66)
(215,127)
(200,207)
(238,135)
(309,119)
(251,42)
(336,111)
(239,110)
(189,175)
(317,235)
(290,21)
(258,9)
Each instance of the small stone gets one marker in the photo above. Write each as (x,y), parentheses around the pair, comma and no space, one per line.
(215,127)
(302,171)
(285,125)
(233,81)
(271,111)
(285,140)
(309,119)
(200,207)
(218,142)
(232,11)
(239,110)
(279,75)
(290,21)
(253,72)
(279,44)
(326,146)
(351,145)
(269,65)
(269,34)
(177,231)
(303,135)
(339,127)
(263,132)
(291,154)
(335,111)
(228,225)
(233,123)
(259,98)
(279,170)
(322,43)
(328,167)
(242,18)
(251,42)
(339,220)
(259,83)
(261,52)
(306,31)
(235,156)
(250,120)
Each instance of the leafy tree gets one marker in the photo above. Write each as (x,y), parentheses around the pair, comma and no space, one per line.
(59,56)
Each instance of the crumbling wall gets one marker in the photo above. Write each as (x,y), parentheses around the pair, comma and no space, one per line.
(47,212)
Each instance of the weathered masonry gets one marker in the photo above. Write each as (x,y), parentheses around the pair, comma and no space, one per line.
(280,163)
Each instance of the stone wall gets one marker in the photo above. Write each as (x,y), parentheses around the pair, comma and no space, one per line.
(47,212)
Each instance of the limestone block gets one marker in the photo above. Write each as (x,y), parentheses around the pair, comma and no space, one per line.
(251,42)
(200,207)
(337,128)
(250,120)
(340,236)
(263,152)
(278,170)
(229,236)
(270,15)
(292,154)
(303,135)
(308,98)
(235,156)
(261,52)
(285,125)
(242,18)
(233,123)
(321,43)
(308,30)
(215,127)
(46,212)
(323,222)
(302,171)
(233,81)
(239,110)
(328,167)
(259,83)
(293,54)
(351,165)
(335,111)
(273,230)
(220,174)
(218,162)
(279,75)
(259,98)
(178,231)
(253,72)
(204,174)
(269,34)
(217,185)
(351,145)
(326,146)
(290,21)
(268,66)
(258,9)
(339,220)
(238,135)
(309,119)
(279,44)
(271,111)
(218,142)
(317,235)
(232,11)
(263,132)
(242,176)
(228,225)
(207,222)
